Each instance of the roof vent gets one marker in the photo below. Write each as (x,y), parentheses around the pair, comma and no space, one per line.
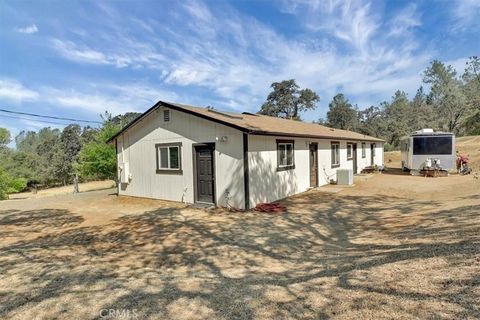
(228,115)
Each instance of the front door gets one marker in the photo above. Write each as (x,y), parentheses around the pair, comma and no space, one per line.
(354,150)
(205,176)
(313,165)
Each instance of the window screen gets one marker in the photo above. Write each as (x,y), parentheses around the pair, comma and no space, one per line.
(349,151)
(335,154)
(169,157)
(432,145)
(285,154)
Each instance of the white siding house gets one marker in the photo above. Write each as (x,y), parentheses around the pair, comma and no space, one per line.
(183,153)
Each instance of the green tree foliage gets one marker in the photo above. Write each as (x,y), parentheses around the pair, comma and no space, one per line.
(471,77)
(287,100)
(8,184)
(448,96)
(66,153)
(50,156)
(341,114)
(4,137)
(397,114)
(372,122)
(97,159)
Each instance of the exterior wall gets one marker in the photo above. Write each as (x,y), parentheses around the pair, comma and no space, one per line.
(267,185)
(137,147)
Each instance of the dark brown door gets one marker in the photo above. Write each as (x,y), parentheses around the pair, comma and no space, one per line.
(354,150)
(313,165)
(205,174)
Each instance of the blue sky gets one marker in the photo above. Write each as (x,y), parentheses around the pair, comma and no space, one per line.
(80,58)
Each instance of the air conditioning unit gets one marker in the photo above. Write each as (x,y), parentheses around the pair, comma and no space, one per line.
(345,177)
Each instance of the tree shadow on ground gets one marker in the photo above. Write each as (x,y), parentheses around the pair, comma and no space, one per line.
(329,256)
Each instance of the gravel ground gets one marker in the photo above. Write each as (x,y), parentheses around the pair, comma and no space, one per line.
(393,246)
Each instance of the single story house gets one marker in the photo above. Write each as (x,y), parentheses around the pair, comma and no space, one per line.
(191,154)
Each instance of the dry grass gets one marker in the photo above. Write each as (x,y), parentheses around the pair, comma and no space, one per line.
(83,187)
(393,246)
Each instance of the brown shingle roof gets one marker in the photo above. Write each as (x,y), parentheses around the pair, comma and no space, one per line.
(261,124)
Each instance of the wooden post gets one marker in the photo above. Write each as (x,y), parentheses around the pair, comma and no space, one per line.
(75,184)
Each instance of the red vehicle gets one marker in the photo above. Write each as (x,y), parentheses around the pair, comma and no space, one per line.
(462,165)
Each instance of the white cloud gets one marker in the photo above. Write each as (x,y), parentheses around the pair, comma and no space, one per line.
(28,29)
(407,19)
(132,53)
(71,51)
(346,45)
(13,90)
(111,97)
(466,13)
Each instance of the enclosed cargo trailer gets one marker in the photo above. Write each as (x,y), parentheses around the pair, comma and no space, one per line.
(426,148)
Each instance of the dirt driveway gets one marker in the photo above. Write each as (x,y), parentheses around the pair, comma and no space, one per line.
(393,246)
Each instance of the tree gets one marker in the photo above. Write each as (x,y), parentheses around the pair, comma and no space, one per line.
(397,114)
(372,122)
(97,159)
(447,96)
(421,112)
(66,152)
(4,137)
(471,78)
(10,185)
(287,100)
(341,114)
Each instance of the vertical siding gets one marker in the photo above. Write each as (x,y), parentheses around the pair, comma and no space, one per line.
(267,185)
(139,150)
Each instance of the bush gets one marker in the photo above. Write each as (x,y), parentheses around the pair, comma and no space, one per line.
(10,185)
(388,147)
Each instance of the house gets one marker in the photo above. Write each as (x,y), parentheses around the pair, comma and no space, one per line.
(191,154)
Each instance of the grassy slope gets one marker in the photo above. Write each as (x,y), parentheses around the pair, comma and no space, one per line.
(469,145)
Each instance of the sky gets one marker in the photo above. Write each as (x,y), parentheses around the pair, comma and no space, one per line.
(78,59)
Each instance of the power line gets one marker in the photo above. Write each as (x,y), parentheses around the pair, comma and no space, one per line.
(35,120)
(50,117)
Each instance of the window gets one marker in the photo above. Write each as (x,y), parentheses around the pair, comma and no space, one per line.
(364,151)
(349,151)
(166,115)
(285,155)
(432,145)
(373,149)
(169,158)
(335,154)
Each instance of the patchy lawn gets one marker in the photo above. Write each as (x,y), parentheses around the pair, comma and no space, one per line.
(393,246)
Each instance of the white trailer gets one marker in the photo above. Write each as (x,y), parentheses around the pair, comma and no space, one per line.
(426,147)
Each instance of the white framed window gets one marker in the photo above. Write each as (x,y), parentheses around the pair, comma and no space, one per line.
(169,159)
(285,155)
(373,149)
(335,154)
(364,151)
(349,151)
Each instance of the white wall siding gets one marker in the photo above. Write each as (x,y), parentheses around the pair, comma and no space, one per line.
(137,147)
(267,184)
(139,150)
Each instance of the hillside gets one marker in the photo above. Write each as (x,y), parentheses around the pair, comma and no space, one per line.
(469,145)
